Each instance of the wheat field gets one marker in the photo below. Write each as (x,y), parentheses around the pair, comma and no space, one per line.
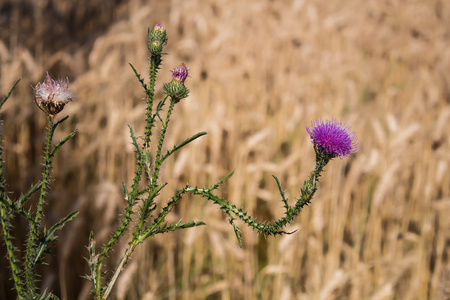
(260,71)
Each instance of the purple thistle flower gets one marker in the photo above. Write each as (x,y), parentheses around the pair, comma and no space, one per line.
(333,138)
(180,73)
(176,89)
(52,95)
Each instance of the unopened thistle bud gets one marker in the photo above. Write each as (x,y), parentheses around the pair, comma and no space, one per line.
(176,89)
(157,34)
(155,47)
(52,95)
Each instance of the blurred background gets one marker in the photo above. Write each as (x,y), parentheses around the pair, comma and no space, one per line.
(260,71)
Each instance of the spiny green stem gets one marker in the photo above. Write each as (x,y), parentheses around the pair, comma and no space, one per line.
(130,198)
(34,226)
(158,160)
(307,192)
(3,197)
(154,62)
(137,240)
(119,232)
(162,216)
(140,165)
(2,178)
(13,262)
(155,175)
(119,269)
(5,215)
(98,281)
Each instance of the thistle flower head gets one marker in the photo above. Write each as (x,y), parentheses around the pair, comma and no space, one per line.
(176,89)
(52,95)
(333,138)
(180,73)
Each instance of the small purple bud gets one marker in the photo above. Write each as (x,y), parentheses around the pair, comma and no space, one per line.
(52,95)
(333,138)
(159,28)
(180,73)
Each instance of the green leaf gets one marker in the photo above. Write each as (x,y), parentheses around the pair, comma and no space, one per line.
(138,76)
(221,181)
(159,108)
(9,93)
(62,142)
(238,234)
(49,236)
(182,144)
(59,122)
(27,196)
(179,225)
(285,200)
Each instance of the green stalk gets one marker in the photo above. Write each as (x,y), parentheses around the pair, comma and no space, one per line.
(155,175)
(131,201)
(307,192)
(13,263)
(119,269)
(5,215)
(2,178)
(137,240)
(150,91)
(158,161)
(34,226)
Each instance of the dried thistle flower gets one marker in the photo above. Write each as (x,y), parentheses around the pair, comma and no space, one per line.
(52,95)
(333,138)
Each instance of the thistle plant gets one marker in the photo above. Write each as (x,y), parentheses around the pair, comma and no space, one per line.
(143,216)
(50,96)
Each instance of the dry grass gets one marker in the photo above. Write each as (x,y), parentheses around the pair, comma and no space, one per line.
(260,71)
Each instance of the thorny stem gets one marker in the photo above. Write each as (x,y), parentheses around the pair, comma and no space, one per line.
(158,161)
(154,63)
(307,192)
(130,197)
(34,226)
(155,175)
(10,250)
(119,269)
(136,241)
(142,155)
(4,217)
